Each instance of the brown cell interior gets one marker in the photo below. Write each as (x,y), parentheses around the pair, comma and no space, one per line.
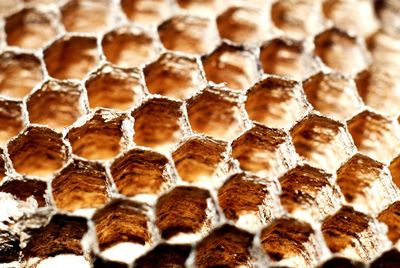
(23,189)
(231,65)
(173,76)
(121,221)
(80,185)
(385,50)
(182,210)
(37,151)
(100,138)
(395,170)
(387,12)
(390,258)
(164,255)
(226,246)
(140,172)
(145,11)
(391,217)
(56,104)
(113,88)
(10,246)
(158,123)
(276,102)
(71,57)
(11,122)
(2,165)
(103,263)
(6,6)
(197,159)
(19,73)
(200,7)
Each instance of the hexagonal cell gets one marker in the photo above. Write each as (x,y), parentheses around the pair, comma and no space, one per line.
(71,57)
(352,234)
(308,192)
(388,11)
(289,242)
(198,159)
(336,48)
(202,8)
(19,73)
(158,123)
(80,185)
(385,51)
(276,102)
(30,28)
(189,34)
(128,47)
(164,255)
(390,259)
(145,11)
(11,120)
(340,262)
(122,225)
(140,172)
(391,217)
(283,56)
(99,138)
(333,94)
(216,112)
(395,170)
(114,88)
(86,15)
(10,246)
(38,151)
(226,246)
(173,75)
(323,142)
(375,135)
(264,151)
(366,184)
(185,214)
(233,65)
(24,189)
(56,104)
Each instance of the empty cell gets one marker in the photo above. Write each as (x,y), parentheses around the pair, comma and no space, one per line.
(226,246)
(216,112)
(24,189)
(10,247)
(80,185)
(341,262)
(385,51)
(71,57)
(276,102)
(333,94)
(114,88)
(99,138)
(11,120)
(164,255)
(323,142)
(389,259)
(146,12)
(189,34)
(129,47)
(56,104)
(391,217)
(140,172)
(284,56)
(375,135)
(19,73)
(264,151)
(388,14)
(204,8)
(394,168)
(337,48)
(173,75)
(38,151)
(233,65)
(158,123)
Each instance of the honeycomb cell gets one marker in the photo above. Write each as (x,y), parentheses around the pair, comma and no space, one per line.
(99,138)
(11,120)
(233,65)
(309,191)
(38,151)
(289,242)
(375,135)
(385,51)
(340,262)
(114,88)
(24,189)
(216,112)
(226,246)
(333,94)
(146,12)
(71,57)
(391,217)
(337,48)
(388,259)
(264,151)
(56,104)
(103,263)
(394,168)
(184,214)
(204,8)
(158,123)
(323,142)
(283,56)
(30,28)
(129,47)
(80,185)
(276,102)
(10,246)
(140,172)
(164,255)
(199,159)
(388,14)
(19,73)
(189,34)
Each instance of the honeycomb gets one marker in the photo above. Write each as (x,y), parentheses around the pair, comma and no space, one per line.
(199,133)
